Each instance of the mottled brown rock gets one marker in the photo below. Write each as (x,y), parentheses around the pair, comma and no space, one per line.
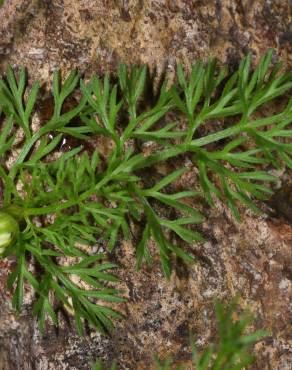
(282,202)
(252,259)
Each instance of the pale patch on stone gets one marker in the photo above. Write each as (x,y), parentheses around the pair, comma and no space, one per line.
(284,284)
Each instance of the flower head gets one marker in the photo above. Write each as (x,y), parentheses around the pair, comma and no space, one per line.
(9,229)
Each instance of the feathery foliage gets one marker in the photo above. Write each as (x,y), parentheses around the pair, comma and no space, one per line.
(65,204)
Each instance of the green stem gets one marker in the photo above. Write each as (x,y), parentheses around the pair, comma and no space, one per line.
(70,203)
(194,124)
(132,112)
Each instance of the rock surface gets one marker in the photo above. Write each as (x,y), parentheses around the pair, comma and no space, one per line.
(252,258)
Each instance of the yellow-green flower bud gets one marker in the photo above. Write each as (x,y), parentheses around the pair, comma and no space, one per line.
(9,230)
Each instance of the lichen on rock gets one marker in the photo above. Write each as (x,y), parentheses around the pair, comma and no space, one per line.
(252,259)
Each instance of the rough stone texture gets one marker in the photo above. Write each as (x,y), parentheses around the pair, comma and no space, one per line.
(252,259)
